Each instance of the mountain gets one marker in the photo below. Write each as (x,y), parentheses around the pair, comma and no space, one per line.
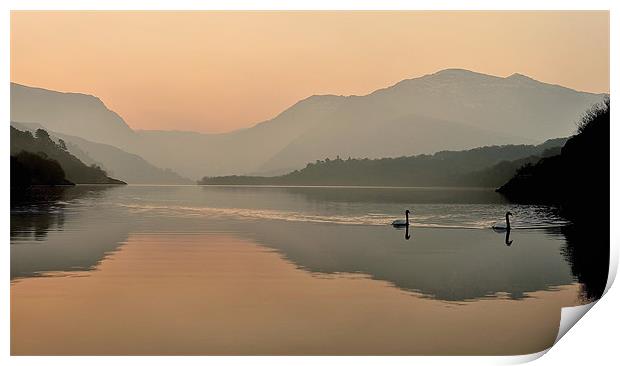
(41,145)
(130,168)
(452,109)
(71,113)
(449,110)
(487,166)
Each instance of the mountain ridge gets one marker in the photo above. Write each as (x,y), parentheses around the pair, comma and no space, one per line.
(493,109)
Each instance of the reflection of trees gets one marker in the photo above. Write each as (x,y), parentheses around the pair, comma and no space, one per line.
(85,238)
(40,209)
(587,251)
(36,211)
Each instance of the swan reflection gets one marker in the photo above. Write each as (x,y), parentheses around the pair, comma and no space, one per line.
(508,241)
(406,229)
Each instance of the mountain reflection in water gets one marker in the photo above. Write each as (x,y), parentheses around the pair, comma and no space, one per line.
(73,229)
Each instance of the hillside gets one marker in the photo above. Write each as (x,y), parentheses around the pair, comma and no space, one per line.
(576,180)
(73,169)
(28,169)
(449,110)
(71,113)
(481,167)
(128,167)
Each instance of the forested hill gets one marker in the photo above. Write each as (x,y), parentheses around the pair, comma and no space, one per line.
(577,180)
(488,166)
(75,171)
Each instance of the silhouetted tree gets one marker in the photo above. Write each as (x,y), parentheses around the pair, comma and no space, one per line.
(32,169)
(41,134)
(74,169)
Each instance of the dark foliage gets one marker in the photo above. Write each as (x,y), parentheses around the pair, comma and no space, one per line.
(41,145)
(28,169)
(577,180)
(487,166)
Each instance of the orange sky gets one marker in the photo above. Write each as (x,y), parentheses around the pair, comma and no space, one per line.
(220,71)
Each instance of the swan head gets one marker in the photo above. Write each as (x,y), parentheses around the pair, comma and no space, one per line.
(407,212)
(508,213)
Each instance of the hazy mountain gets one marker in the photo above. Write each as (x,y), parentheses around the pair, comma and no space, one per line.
(72,113)
(452,109)
(240,151)
(128,167)
(374,139)
(449,110)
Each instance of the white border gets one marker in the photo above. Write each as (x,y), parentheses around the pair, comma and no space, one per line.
(594,339)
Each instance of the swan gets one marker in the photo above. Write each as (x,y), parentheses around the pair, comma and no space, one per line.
(401,222)
(503,226)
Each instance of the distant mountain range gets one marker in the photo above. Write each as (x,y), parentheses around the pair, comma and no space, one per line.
(450,110)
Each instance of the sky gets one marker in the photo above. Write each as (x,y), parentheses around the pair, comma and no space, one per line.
(220,71)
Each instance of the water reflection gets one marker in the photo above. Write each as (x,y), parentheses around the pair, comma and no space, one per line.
(35,212)
(587,251)
(434,207)
(57,230)
(201,294)
(446,264)
(75,228)
(507,241)
(405,229)
(452,195)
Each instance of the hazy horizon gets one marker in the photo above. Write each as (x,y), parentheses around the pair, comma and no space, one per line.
(251,70)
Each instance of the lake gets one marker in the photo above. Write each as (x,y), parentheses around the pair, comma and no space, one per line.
(214,270)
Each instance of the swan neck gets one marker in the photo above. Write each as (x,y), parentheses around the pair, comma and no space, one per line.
(508,221)
(407,216)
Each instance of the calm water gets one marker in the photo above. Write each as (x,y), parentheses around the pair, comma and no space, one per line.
(291,270)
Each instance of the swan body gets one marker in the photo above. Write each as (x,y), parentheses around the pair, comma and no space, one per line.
(401,222)
(503,226)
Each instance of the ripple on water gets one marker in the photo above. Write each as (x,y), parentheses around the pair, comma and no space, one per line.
(426,215)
